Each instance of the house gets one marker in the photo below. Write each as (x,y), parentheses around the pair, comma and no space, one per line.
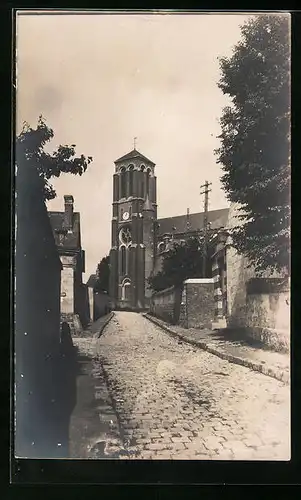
(67,234)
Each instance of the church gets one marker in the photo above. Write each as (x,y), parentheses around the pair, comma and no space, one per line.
(139,238)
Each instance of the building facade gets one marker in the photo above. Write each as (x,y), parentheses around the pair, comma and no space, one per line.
(67,234)
(139,238)
(132,254)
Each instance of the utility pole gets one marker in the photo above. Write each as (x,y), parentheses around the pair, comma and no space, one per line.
(206,201)
(187,221)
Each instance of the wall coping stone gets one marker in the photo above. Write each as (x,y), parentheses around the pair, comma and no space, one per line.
(198,280)
(162,292)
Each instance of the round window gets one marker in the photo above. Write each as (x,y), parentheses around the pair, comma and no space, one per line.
(125,235)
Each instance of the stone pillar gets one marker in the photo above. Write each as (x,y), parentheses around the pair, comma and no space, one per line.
(67,294)
(114,234)
(115,187)
(67,285)
(200,302)
(153,189)
(134,228)
(148,241)
(218,295)
(140,279)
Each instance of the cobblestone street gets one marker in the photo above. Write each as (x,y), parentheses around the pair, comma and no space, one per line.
(176,401)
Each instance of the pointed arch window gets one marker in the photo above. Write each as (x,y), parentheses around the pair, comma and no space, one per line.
(131,180)
(125,289)
(142,181)
(123,260)
(122,183)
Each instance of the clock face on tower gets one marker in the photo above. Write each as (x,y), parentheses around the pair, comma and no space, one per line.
(125,216)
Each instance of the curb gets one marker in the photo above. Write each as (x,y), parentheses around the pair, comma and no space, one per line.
(255,366)
(98,334)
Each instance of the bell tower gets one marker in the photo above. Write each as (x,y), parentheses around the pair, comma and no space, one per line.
(132,254)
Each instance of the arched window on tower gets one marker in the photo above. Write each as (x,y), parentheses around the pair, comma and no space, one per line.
(148,172)
(131,179)
(123,260)
(122,183)
(142,182)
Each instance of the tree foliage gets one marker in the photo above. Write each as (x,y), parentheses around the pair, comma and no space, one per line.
(103,275)
(255,140)
(30,152)
(183,261)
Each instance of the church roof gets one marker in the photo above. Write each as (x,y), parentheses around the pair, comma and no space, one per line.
(91,281)
(70,241)
(178,224)
(133,154)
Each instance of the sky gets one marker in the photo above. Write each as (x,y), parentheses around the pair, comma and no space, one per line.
(101,80)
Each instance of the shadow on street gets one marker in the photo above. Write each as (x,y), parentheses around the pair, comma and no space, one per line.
(43,416)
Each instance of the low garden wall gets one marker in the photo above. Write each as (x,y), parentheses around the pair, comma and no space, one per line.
(268,311)
(192,306)
(166,304)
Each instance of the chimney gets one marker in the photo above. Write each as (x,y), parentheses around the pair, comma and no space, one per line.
(68,216)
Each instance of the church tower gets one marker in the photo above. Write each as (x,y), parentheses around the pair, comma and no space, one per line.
(132,254)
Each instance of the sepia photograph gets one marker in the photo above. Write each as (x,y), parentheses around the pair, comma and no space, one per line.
(152,235)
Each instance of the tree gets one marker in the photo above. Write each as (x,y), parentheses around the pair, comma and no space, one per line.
(255,140)
(30,152)
(103,275)
(183,261)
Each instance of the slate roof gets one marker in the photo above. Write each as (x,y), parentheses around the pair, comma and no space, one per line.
(63,239)
(217,218)
(133,154)
(91,281)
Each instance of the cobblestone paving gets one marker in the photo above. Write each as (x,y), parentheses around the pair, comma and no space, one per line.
(175,401)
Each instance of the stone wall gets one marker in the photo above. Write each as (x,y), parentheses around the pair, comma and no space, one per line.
(264,313)
(268,312)
(191,307)
(102,305)
(166,305)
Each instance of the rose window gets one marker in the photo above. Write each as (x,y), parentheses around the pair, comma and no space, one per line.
(125,236)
